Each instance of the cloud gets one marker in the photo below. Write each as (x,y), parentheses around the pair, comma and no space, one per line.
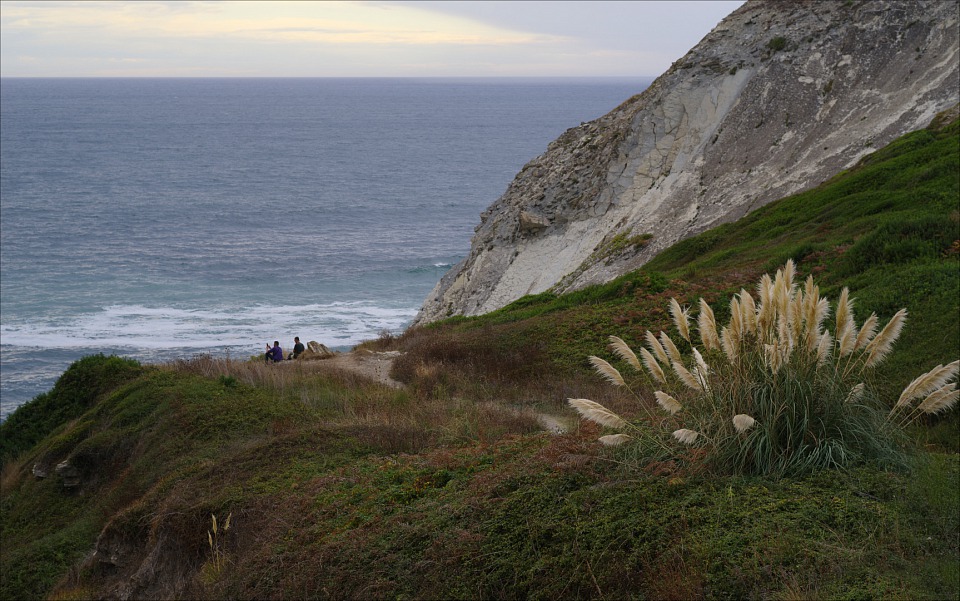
(328,38)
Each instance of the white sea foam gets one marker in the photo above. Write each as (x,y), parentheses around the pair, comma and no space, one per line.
(142,327)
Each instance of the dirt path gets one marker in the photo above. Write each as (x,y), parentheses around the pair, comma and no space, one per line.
(376,366)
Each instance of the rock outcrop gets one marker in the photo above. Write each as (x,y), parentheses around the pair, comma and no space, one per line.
(779,97)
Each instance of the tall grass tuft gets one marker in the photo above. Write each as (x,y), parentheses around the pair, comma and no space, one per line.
(775,392)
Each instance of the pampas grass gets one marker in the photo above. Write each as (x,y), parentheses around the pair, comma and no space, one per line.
(623,350)
(615,440)
(669,404)
(597,413)
(607,371)
(686,436)
(775,392)
(743,422)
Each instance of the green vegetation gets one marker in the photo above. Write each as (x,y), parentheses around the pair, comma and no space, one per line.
(774,392)
(338,487)
(777,44)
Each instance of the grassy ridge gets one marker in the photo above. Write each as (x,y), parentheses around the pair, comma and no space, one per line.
(341,488)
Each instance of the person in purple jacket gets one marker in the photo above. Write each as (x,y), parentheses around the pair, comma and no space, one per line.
(274,354)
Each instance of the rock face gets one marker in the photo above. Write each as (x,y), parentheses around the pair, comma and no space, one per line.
(779,97)
(315,351)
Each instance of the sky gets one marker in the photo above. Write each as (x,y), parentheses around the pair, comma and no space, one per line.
(301,38)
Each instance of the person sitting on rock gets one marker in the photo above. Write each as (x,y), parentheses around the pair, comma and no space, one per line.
(297,348)
(274,354)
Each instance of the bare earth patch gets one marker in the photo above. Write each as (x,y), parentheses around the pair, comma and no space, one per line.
(375,366)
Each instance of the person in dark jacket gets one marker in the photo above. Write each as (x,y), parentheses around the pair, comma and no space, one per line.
(274,354)
(297,348)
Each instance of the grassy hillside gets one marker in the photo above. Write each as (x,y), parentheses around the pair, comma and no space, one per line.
(325,485)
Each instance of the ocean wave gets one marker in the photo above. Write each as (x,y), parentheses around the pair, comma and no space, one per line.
(435,267)
(145,327)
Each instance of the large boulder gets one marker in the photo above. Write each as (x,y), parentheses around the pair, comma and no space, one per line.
(315,351)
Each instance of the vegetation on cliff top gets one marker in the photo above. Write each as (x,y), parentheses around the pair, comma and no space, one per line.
(338,487)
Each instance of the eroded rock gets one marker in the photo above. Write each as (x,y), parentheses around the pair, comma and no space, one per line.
(779,97)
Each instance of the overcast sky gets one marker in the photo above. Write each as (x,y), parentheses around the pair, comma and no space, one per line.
(349,39)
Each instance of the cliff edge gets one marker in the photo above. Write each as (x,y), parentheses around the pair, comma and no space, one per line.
(779,97)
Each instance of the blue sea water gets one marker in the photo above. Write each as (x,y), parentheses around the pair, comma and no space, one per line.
(164,218)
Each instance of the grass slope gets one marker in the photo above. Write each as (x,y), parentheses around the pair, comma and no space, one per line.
(340,488)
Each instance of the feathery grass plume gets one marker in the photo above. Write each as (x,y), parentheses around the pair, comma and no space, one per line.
(671,348)
(856,393)
(795,316)
(867,331)
(823,348)
(814,327)
(940,400)
(781,296)
(774,356)
(614,440)
(729,344)
(765,313)
(623,350)
(743,422)
(926,383)
(607,371)
(846,326)
(736,320)
(656,348)
(686,377)
(784,341)
(702,372)
(669,404)
(707,326)
(681,319)
(880,346)
(686,436)
(652,366)
(789,272)
(847,341)
(748,312)
(597,413)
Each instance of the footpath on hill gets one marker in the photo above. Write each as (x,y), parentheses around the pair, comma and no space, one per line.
(377,366)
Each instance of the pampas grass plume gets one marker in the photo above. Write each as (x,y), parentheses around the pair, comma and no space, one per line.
(623,350)
(743,422)
(879,347)
(614,440)
(867,331)
(669,404)
(940,400)
(707,326)
(652,366)
(686,436)
(926,383)
(671,348)
(680,319)
(597,413)
(607,371)
(656,348)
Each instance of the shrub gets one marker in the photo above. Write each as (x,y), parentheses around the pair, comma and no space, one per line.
(773,392)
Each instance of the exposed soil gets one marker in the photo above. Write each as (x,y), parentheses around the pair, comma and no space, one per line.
(375,366)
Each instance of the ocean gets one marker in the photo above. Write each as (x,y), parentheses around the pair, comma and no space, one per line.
(166,218)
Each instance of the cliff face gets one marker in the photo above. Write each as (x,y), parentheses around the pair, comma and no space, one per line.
(779,97)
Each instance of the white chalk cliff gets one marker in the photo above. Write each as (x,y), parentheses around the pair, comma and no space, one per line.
(779,97)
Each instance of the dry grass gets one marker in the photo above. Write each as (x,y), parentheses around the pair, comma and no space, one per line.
(381,417)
